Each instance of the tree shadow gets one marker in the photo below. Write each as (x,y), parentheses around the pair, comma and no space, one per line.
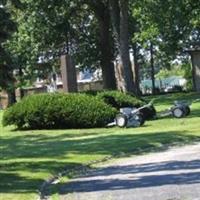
(46,146)
(12,182)
(33,151)
(171,175)
(145,168)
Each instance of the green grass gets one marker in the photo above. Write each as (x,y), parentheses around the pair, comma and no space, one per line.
(29,157)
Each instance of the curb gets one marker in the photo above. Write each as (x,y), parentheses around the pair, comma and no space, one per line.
(77,171)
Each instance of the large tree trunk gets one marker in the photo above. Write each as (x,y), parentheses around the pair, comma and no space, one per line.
(124,47)
(109,80)
(195,56)
(101,10)
(119,13)
(136,70)
(152,69)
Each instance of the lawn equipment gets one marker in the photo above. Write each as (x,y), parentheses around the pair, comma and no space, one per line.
(131,117)
(180,109)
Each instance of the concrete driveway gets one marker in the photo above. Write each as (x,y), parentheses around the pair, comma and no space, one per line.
(170,175)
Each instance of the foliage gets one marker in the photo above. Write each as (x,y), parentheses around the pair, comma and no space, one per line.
(172,25)
(48,29)
(188,76)
(6,29)
(47,111)
(118,99)
(175,71)
(40,22)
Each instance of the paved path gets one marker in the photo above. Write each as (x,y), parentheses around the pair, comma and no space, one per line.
(171,175)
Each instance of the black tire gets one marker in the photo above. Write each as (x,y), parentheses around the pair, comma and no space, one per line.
(178,112)
(187,110)
(121,120)
(140,118)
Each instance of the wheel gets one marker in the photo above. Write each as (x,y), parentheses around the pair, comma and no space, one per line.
(178,112)
(187,110)
(139,117)
(121,120)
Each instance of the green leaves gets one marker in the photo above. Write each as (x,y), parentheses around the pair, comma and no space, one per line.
(50,111)
(7,27)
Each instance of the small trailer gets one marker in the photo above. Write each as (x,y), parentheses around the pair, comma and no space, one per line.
(132,117)
(180,109)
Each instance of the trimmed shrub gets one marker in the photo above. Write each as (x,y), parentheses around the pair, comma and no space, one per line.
(49,111)
(118,99)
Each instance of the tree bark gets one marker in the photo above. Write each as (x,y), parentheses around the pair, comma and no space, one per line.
(115,18)
(195,56)
(119,14)
(124,47)
(102,14)
(109,80)
(152,68)
(136,69)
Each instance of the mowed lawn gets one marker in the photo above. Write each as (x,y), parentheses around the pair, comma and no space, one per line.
(27,158)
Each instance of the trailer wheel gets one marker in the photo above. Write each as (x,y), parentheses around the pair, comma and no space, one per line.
(121,120)
(178,112)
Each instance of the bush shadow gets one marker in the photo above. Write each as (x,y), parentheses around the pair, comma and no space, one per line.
(29,149)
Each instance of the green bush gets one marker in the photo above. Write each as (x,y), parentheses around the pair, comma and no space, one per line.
(49,111)
(118,99)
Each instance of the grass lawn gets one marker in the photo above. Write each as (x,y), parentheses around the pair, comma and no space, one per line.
(29,157)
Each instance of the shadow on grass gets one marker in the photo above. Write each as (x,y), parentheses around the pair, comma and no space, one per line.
(12,182)
(58,148)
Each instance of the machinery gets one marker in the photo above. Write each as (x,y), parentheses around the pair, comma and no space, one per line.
(131,117)
(180,109)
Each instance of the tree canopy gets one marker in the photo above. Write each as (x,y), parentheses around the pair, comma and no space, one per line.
(95,33)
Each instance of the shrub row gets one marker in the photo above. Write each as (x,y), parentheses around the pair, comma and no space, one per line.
(49,111)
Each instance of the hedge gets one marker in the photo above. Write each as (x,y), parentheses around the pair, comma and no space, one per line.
(49,111)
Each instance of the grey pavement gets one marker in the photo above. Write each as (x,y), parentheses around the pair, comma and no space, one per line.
(170,175)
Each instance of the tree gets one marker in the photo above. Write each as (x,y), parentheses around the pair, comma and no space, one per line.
(119,12)
(65,26)
(168,25)
(6,71)
(101,11)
